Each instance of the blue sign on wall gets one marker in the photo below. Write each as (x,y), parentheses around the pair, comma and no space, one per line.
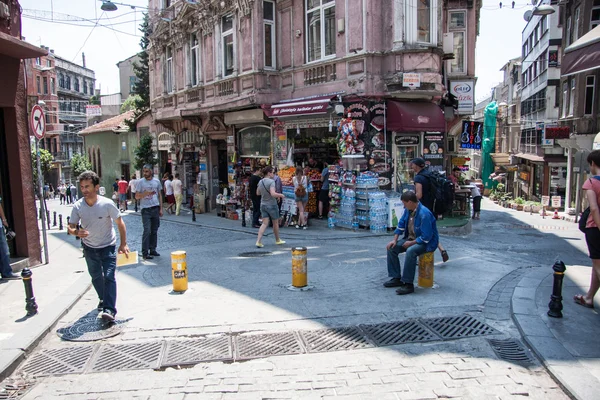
(202,167)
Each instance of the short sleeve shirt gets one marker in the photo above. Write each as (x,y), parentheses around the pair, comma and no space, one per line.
(596,188)
(168,187)
(133,185)
(123,185)
(427,198)
(264,187)
(97,220)
(325,175)
(152,185)
(177,185)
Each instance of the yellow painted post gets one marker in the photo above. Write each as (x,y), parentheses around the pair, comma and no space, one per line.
(299,267)
(426,270)
(179,270)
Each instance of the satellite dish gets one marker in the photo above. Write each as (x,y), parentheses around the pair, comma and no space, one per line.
(527,15)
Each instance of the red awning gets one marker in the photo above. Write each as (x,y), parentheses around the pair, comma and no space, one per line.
(295,108)
(583,55)
(414,117)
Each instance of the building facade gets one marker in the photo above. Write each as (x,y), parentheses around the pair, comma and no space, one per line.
(540,158)
(127,77)
(579,99)
(16,183)
(258,81)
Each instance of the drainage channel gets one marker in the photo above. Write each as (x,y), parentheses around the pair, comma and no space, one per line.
(239,347)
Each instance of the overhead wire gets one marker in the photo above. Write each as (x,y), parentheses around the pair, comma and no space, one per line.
(86,39)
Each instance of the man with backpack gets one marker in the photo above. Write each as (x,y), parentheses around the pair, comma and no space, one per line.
(431,191)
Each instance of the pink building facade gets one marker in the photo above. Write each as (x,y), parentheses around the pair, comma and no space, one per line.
(257,81)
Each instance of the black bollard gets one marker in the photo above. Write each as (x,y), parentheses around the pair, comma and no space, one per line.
(60,226)
(243,216)
(555,306)
(54,224)
(48,218)
(193,214)
(30,304)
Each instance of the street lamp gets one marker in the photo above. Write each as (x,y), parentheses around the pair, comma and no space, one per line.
(108,5)
(543,9)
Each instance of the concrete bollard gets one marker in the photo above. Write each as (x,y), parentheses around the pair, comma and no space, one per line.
(426,270)
(179,271)
(555,306)
(30,304)
(54,224)
(60,225)
(299,267)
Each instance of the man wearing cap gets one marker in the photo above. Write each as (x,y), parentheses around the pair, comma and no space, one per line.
(148,191)
(424,192)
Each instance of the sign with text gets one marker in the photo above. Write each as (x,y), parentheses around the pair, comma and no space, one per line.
(545,201)
(93,110)
(556,201)
(433,150)
(557,132)
(406,140)
(464,91)
(472,135)
(411,80)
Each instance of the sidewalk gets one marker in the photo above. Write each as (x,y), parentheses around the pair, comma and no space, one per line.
(56,287)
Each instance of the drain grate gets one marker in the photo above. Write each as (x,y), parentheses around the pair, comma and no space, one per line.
(398,332)
(15,390)
(194,351)
(322,340)
(458,327)
(265,345)
(127,357)
(89,330)
(510,350)
(68,360)
(251,254)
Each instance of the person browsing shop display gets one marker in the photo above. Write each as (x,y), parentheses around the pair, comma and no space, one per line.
(5,269)
(149,192)
(268,206)
(252,186)
(324,192)
(416,234)
(300,182)
(424,193)
(96,214)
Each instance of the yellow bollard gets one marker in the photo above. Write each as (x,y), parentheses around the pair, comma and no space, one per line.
(299,267)
(426,270)
(179,269)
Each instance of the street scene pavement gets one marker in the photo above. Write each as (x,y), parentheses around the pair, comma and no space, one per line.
(239,332)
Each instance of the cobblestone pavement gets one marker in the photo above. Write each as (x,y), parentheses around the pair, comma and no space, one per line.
(234,294)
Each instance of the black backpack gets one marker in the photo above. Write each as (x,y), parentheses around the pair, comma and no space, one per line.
(442,191)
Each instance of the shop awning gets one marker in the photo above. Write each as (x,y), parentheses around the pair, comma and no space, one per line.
(501,159)
(317,105)
(530,157)
(16,48)
(414,117)
(583,55)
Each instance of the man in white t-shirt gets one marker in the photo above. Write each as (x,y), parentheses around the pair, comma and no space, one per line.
(177,192)
(169,194)
(132,184)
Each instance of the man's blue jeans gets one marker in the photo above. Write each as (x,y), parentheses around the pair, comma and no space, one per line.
(151,222)
(410,261)
(5,269)
(101,266)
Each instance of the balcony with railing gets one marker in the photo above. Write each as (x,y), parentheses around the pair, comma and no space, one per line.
(534,149)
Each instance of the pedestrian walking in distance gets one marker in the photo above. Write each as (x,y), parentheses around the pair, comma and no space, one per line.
(123,185)
(415,234)
(178,193)
(149,192)
(268,206)
(169,194)
(95,215)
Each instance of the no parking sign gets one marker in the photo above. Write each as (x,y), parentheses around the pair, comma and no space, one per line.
(37,122)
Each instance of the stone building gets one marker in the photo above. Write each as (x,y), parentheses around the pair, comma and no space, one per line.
(253,81)
(16,183)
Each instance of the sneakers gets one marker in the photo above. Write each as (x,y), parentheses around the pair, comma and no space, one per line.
(154,253)
(147,257)
(394,282)
(108,316)
(100,306)
(259,245)
(12,277)
(305,227)
(406,288)
(280,241)
(297,226)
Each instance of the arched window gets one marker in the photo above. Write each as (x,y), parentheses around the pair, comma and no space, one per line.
(61,80)
(85,88)
(68,82)
(76,84)
(255,141)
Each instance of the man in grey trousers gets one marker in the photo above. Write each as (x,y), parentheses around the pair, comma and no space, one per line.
(148,191)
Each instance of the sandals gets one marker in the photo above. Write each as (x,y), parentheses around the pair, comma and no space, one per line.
(445,256)
(579,299)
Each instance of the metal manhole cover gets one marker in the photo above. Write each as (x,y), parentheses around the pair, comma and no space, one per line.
(185,352)
(68,360)
(250,254)
(335,339)
(268,344)
(90,328)
(127,357)
(510,350)
(392,333)
(458,327)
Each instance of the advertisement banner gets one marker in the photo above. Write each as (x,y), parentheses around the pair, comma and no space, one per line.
(93,110)
(433,150)
(464,91)
(472,135)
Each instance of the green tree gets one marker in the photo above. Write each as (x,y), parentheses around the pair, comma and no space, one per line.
(142,84)
(46,161)
(94,100)
(130,103)
(79,164)
(144,153)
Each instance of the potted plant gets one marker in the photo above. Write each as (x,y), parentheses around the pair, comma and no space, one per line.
(527,206)
(519,204)
(536,207)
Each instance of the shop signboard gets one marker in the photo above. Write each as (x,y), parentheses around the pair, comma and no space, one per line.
(433,150)
(164,141)
(553,58)
(472,135)
(406,140)
(411,80)
(464,91)
(556,201)
(395,211)
(93,110)
(524,176)
(557,132)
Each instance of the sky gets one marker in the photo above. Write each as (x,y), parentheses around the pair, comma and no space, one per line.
(499,39)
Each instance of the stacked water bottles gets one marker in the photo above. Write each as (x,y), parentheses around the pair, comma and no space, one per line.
(346,216)
(366,183)
(378,212)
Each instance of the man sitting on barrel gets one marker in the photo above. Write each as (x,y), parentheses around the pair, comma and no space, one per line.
(416,234)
